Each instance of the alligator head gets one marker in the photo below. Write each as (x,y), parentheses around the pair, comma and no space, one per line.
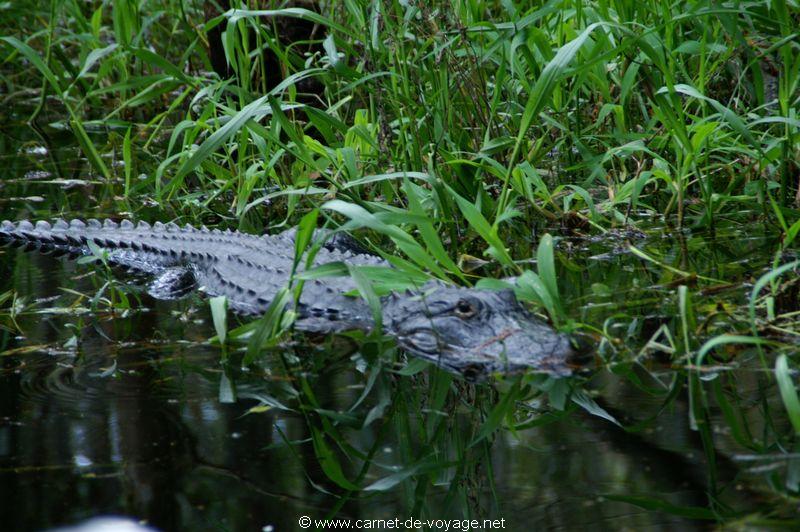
(475,332)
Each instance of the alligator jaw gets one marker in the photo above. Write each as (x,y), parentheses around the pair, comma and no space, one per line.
(475,332)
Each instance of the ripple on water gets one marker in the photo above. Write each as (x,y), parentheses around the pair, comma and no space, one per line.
(53,384)
(75,385)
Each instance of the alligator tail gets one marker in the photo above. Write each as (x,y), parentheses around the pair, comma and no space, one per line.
(136,246)
(42,236)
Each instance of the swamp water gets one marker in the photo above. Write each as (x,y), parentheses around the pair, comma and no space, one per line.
(131,412)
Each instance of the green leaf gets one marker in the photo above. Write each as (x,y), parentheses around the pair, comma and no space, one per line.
(258,409)
(557,392)
(389,482)
(329,269)
(268,326)
(762,282)
(127,158)
(550,75)
(788,391)
(530,287)
(498,414)
(292,12)
(543,89)
(386,177)
(328,461)
(368,293)
(254,110)
(36,61)
(659,505)
(305,232)
(413,367)
(94,56)
(736,123)
(582,399)
(791,234)
(426,229)
(545,264)
(483,228)
(724,339)
(227,393)
(219,315)
(360,217)
(153,59)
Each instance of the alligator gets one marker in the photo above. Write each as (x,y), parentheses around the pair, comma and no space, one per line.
(468,331)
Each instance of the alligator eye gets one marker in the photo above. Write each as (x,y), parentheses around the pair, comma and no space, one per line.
(465,309)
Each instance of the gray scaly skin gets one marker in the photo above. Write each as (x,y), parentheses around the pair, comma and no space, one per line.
(469,331)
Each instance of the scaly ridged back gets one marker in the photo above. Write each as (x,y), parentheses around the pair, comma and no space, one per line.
(247,269)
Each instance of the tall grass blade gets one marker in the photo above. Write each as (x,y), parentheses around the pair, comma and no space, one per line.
(788,391)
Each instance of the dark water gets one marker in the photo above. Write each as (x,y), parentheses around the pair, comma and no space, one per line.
(134,413)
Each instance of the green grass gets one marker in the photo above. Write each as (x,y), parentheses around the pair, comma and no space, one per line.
(594,109)
(470,134)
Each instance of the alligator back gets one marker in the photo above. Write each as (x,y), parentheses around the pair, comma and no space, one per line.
(247,269)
